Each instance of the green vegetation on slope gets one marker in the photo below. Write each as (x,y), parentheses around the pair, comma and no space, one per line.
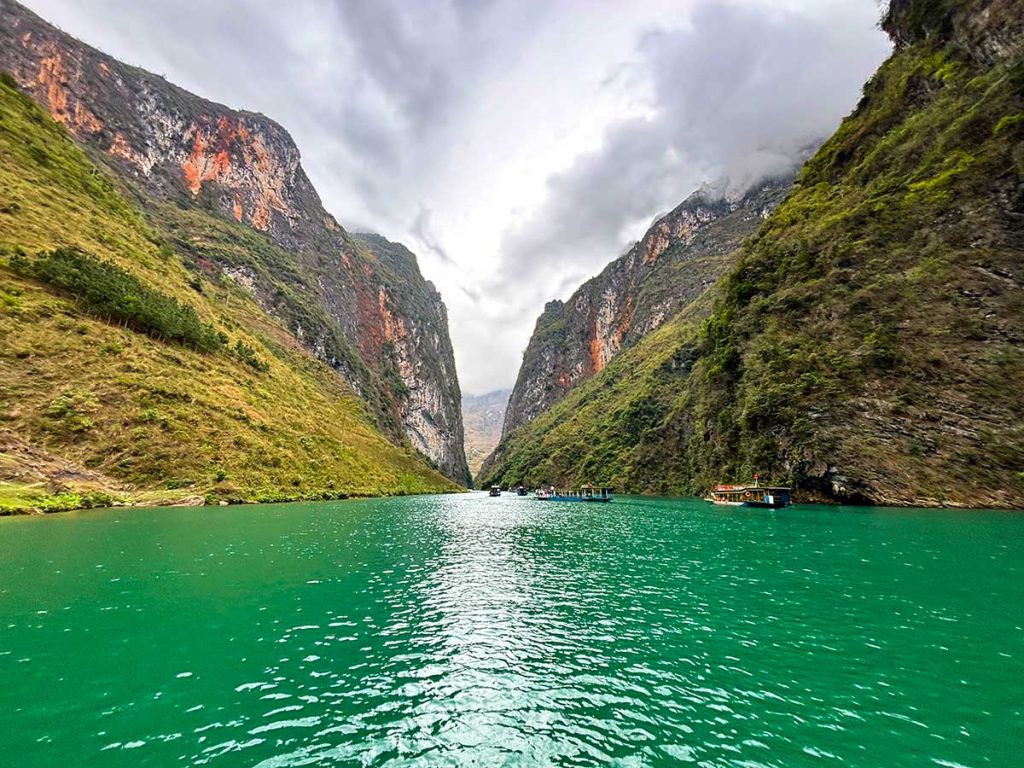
(208,243)
(668,268)
(612,429)
(868,344)
(258,419)
(109,292)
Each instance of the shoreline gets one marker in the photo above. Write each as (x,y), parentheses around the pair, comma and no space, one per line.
(52,504)
(211,500)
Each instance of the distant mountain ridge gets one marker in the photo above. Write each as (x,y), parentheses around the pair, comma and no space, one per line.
(483,416)
(368,315)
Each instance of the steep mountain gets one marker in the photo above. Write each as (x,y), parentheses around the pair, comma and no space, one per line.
(127,377)
(416,328)
(868,343)
(185,158)
(483,416)
(681,254)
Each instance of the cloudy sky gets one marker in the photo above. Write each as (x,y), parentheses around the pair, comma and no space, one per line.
(516,146)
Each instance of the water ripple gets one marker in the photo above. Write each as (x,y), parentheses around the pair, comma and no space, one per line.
(459,631)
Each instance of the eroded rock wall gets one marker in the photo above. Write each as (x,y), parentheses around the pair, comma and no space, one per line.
(415,336)
(681,254)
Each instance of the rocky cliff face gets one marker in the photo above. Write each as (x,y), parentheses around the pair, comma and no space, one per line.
(415,336)
(682,253)
(985,31)
(193,394)
(171,141)
(181,152)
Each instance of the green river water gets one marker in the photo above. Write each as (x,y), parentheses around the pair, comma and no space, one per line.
(465,630)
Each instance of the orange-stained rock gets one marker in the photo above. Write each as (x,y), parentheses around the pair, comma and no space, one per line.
(394,327)
(236,157)
(121,147)
(51,80)
(596,358)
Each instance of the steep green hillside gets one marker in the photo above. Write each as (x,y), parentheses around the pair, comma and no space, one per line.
(227,189)
(211,245)
(117,395)
(611,429)
(869,346)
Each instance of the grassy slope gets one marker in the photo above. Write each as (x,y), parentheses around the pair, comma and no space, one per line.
(612,428)
(145,414)
(867,345)
(676,278)
(207,242)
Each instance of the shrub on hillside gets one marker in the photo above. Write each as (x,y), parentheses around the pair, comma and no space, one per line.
(115,295)
(248,355)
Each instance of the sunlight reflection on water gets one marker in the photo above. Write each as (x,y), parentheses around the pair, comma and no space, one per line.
(466,630)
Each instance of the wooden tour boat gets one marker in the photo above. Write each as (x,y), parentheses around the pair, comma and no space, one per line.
(586,493)
(756,495)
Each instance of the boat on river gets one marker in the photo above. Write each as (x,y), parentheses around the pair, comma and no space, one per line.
(585,493)
(495,490)
(521,491)
(756,495)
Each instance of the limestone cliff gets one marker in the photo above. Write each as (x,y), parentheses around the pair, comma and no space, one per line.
(171,141)
(127,377)
(682,253)
(181,153)
(415,332)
